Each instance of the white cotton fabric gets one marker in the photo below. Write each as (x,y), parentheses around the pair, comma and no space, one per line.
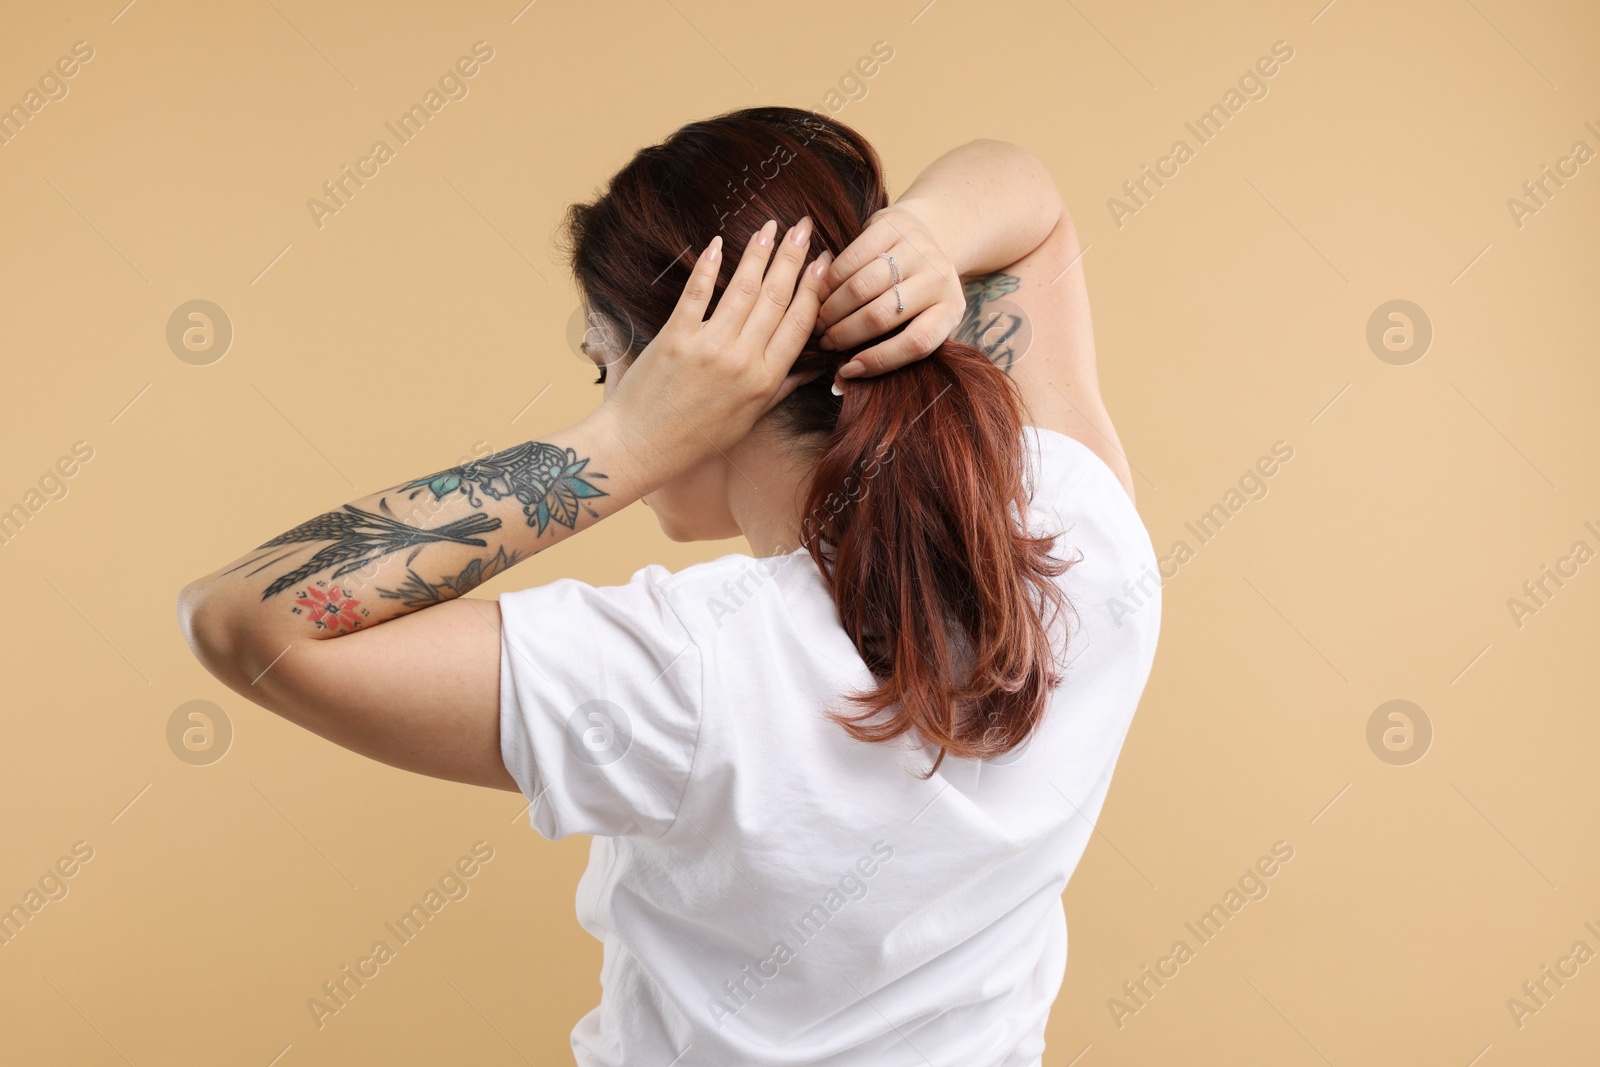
(770,891)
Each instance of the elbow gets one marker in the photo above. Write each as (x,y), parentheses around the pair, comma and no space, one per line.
(1052,205)
(1017,160)
(1017,156)
(198,623)
(212,634)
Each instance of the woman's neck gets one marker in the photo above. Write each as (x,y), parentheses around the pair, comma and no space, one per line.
(767,491)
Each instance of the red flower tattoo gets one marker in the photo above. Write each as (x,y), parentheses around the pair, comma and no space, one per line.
(333,610)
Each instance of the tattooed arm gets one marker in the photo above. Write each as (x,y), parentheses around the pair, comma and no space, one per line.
(352,624)
(309,624)
(1032,318)
(415,544)
(984,230)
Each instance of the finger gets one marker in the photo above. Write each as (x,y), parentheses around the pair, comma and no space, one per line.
(740,294)
(878,237)
(777,288)
(794,331)
(925,333)
(696,295)
(881,314)
(856,290)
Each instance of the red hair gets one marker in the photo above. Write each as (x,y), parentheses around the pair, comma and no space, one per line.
(914,512)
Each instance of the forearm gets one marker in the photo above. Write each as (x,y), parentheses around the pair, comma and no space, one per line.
(408,547)
(988,202)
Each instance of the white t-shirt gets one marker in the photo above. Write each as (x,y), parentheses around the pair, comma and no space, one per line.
(771,891)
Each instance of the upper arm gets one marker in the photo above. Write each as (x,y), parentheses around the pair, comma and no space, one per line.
(419,692)
(1032,318)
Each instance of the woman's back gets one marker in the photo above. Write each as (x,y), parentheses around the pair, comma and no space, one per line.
(772,891)
(779,875)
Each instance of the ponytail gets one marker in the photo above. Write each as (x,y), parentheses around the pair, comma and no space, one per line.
(914,517)
(916,502)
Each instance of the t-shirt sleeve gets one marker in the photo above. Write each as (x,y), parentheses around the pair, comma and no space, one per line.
(600,700)
(1116,584)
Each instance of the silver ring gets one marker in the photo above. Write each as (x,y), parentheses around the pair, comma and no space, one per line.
(894,270)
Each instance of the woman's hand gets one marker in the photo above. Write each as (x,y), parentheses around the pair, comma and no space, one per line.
(701,384)
(859,302)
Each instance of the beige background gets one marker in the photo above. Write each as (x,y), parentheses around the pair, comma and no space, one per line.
(425,316)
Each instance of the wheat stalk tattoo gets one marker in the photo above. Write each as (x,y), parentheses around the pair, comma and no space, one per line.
(359,537)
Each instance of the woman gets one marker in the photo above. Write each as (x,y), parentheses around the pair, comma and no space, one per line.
(836,787)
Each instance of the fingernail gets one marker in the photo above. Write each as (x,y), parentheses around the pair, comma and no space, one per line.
(824,341)
(853,369)
(836,390)
(765,234)
(801,231)
(715,252)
